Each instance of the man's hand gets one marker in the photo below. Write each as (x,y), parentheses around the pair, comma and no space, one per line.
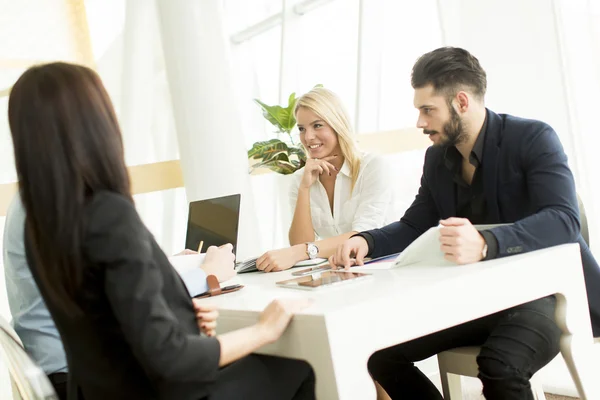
(281,259)
(219,261)
(460,241)
(351,252)
(206,317)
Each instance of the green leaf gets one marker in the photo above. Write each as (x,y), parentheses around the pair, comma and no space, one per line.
(282,118)
(267,149)
(298,151)
(279,166)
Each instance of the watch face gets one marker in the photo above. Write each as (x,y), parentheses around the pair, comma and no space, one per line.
(312,250)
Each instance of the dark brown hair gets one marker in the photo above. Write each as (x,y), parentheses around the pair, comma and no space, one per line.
(448,70)
(68,146)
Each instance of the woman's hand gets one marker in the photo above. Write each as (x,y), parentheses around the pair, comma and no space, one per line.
(281,259)
(206,317)
(314,168)
(277,315)
(219,261)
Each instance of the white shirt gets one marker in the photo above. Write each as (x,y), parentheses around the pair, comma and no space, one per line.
(369,206)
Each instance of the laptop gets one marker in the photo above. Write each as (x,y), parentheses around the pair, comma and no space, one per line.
(214,222)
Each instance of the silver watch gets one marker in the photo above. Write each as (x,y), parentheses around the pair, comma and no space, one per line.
(484,251)
(312,250)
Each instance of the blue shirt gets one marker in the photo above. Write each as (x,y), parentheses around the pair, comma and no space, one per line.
(30,317)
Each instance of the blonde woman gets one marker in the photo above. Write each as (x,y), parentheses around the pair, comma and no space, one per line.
(339,192)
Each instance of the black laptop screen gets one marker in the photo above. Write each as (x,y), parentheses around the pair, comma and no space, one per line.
(214,222)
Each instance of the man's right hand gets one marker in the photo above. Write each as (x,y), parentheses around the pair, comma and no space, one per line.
(351,252)
(219,261)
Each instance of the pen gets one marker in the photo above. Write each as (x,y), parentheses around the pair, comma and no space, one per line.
(231,287)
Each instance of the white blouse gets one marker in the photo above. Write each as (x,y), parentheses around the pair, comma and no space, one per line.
(369,206)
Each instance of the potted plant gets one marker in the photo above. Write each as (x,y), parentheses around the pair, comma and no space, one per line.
(283,157)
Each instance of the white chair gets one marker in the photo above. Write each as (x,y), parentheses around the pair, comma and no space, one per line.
(4,324)
(28,380)
(463,360)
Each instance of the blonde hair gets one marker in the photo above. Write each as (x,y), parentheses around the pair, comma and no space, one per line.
(328,106)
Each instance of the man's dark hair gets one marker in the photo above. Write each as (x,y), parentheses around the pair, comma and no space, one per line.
(449,69)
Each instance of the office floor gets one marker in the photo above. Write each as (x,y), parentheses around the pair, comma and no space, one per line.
(472,391)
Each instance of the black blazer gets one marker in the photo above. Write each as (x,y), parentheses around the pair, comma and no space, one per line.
(526,180)
(138,337)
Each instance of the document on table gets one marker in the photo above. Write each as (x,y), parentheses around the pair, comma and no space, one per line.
(186,262)
(424,249)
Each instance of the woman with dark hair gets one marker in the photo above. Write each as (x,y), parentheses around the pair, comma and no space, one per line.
(127,322)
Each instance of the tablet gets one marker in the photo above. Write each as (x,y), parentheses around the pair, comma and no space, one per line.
(323,279)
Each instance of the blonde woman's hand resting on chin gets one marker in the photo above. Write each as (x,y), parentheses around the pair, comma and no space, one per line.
(281,259)
(219,261)
(351,252)
(315,167)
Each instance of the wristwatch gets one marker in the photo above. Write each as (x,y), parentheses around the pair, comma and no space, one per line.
(484,251)
(312,250)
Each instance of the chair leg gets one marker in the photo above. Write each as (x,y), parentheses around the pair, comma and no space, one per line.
(537,389)
(451,386)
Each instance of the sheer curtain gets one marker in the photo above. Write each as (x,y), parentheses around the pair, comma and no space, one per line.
(119,39)
(130,60)
(579,42)
(33,32)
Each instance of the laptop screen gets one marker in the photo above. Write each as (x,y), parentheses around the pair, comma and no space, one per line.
(214,222)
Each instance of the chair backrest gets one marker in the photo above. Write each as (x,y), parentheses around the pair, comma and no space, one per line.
(28,379)
(584,223)
(4,324)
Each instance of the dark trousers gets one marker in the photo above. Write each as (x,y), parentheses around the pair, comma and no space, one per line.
(515,344)
(265,378)
(60,382)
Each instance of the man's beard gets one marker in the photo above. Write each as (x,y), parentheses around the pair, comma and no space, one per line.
(453,130)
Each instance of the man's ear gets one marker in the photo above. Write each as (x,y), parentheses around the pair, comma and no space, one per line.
(462,101)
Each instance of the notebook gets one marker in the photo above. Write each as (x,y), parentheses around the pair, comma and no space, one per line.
(250,264)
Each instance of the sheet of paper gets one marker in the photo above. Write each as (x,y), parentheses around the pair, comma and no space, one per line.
(185,262)
(426,248)
(374,266)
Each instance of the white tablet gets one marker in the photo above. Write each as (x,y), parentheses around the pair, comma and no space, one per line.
(323,279)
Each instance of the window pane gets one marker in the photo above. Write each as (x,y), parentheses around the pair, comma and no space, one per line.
(256,73)
(240,14)
(406,35)
(322,48)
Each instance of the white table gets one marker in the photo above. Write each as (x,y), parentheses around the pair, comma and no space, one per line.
(346,324)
